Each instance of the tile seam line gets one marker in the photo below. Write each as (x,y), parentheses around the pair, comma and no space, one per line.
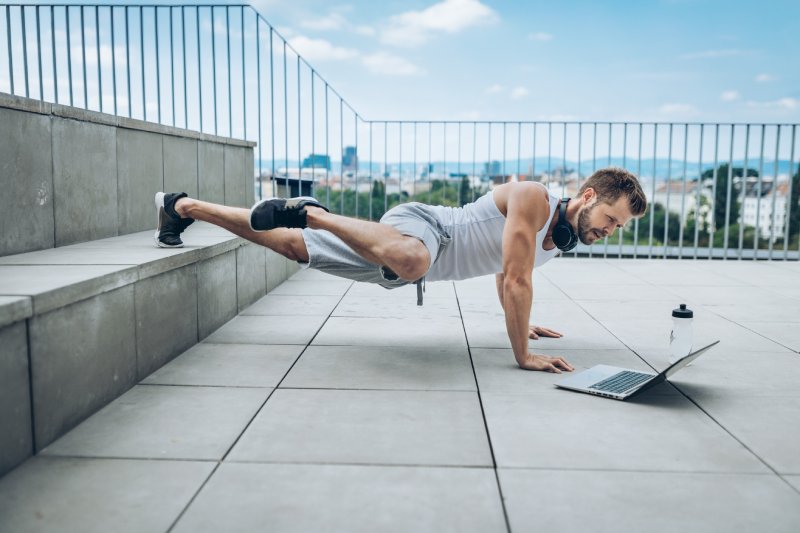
(483,415)
(682,393)
(249,423)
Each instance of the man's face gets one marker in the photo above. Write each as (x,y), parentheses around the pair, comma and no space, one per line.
(598,219)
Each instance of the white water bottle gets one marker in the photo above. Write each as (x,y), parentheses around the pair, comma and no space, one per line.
(680,338)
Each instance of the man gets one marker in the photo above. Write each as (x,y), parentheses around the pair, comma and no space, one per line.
(506,232)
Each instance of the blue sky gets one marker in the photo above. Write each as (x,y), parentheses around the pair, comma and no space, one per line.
(666,60)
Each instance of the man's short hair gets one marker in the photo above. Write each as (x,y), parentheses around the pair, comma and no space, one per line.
(612,182)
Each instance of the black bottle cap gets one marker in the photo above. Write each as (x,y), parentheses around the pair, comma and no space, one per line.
(682,312)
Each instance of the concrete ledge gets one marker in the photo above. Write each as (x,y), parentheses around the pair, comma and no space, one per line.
(81,324)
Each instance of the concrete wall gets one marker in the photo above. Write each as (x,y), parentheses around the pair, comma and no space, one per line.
(70,175)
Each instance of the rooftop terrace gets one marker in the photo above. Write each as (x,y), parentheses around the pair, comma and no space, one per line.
(337,406)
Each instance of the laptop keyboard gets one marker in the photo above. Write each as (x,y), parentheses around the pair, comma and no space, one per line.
(622,381)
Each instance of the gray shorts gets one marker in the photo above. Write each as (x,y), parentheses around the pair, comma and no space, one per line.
(328,253)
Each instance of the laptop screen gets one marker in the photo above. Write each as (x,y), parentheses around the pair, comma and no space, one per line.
(683,361)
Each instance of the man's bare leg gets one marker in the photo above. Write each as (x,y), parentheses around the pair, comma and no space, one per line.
(380,244)
(287,242)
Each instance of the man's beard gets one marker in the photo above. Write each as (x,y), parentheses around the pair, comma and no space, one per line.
(584,229)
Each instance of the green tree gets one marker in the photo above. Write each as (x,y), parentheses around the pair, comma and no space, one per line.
(721,197)
(794,205)
(464,192)
(658,214)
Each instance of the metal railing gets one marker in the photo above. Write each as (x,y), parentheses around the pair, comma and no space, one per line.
(715,190)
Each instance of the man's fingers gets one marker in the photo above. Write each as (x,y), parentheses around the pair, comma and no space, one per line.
(554,368)
(533,335)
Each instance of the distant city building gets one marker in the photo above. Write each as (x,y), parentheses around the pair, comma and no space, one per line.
(492,168)
(317,161)
(350,158)
(759,209)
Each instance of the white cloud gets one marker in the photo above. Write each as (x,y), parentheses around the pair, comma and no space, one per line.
(678,110)
(414,28)
(540,36)
(729,96)
(765,78)
(385,63)
(367,31)
(714,54)
(788,104)
(320,49)
(494,89)
(518,93)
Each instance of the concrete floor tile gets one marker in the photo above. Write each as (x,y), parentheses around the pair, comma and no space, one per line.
(398,368)
(309,274)
(159,422)
(335,287)
(401,308)
(782,332)
(794,481)
(268,330)
(651,432)
(302,498)
(349,331)
(631,502)
(97,495)
(633,292)
(767,425)
(228,365)
(367,427)
(305,305)
(497,370)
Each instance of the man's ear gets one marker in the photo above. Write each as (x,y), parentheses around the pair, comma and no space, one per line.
(588,195)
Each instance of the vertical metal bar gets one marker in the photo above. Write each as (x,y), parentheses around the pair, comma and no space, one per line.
(10,55)
(445,180)
(286,119)
(549,152)
(341,153)
(726,232)
(519,149)
(141,48)
(669,186)
(625,166)
(53,42)
(775,189)
(113,59)
(489,153)
(414,163)
(653,195)
(214,68)
(580,146)
(158,63)
(313,135)
(39,52)
(228,70)
(564,164)
(172,60)
(299,128)
(370,170)
(458,194)
(504,150)
(789,205)
(69,56)
(83,66)
(758,192)
(327,152)
(605,239)
(185,84)
(99,65)
(355,166)
(258,86)
(474,158)
(400,164)
(127,65)
(244,79)
(272,109)
(25,48)
(533,153)
(683,190)
(385,167)
(697,188)
(430,163)
(200,77)
(639,176)
(743,191)
(713,210)
(594,162)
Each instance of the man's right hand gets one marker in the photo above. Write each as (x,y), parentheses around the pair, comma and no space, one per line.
(545,363)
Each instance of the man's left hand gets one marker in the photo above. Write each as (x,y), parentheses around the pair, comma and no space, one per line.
(534,332)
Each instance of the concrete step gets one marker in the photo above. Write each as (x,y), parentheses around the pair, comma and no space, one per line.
(82,324)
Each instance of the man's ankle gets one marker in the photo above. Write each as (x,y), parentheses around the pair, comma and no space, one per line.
(182,207)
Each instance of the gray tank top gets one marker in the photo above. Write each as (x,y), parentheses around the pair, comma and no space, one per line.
(476,246)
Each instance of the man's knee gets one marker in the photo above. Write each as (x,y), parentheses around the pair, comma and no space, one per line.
(411,260)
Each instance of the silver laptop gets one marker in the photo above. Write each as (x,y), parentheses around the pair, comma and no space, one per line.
(622,383)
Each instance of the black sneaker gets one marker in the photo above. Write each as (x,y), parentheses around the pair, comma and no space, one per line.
(272,213)
(170,224)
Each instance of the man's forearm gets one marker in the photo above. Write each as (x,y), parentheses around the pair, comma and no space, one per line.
(517,298)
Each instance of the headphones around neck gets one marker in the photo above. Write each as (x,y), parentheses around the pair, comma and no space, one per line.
(564,236)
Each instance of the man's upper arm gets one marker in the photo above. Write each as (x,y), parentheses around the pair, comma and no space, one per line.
(527,213)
